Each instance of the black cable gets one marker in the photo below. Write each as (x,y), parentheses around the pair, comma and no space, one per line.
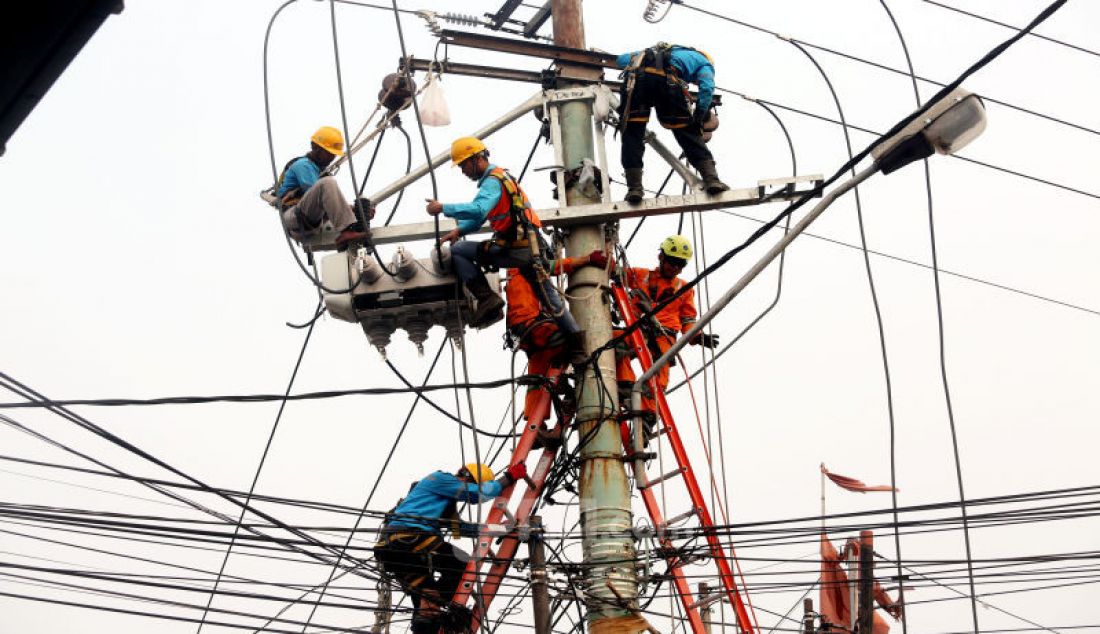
(408,168)
(419,124)
(259,467)
(1009,26)
(377,481)
(779,280)
(973,68)
(894,70)
(29,393)
(642,221)
(942,357)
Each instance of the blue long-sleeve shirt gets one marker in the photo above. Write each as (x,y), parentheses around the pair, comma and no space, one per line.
(470,216)
(431,496)
(692,66)
(301,174)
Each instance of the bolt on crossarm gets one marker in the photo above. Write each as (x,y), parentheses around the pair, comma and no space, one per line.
(605,505)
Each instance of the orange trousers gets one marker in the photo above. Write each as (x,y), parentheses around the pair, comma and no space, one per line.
(625,373)
(539,344)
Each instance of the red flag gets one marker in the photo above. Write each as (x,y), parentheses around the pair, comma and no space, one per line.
(851,484)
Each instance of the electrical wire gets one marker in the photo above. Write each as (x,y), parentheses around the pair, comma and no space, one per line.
(1009,26)
(259,468)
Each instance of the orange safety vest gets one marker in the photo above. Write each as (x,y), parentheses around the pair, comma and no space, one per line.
(511,211)
(678,316)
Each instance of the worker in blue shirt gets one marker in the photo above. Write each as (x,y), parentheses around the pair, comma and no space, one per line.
(516,242)
(658,77)
(306,197)
(412,550)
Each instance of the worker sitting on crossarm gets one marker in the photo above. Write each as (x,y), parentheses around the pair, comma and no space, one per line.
(516,241)
(412,550)
(533,330)
(307,198)
(658,77)
(651,287)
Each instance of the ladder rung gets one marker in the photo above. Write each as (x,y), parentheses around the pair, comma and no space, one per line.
(679,518)
(662,478)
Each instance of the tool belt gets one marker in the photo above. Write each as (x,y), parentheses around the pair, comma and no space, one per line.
(407,539)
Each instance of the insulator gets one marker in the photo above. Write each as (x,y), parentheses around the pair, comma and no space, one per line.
(462,18)
(433,23)
(441,259)
(453,326)
(379,332)
(369,268)
(651,8)
(418,327)
(404,265)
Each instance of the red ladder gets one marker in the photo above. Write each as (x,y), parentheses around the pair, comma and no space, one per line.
(699,506)
(495,524)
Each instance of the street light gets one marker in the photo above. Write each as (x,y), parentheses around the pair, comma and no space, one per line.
(945,127)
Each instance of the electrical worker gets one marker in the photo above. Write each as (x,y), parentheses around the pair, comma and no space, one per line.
(515,242)
(651,287)
(532,330)
(307,197)
(658,77)
(411,547)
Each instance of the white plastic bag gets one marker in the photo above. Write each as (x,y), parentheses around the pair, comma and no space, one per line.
(433,105)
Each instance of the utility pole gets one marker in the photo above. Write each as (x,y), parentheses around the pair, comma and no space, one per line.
(807,616)
(605,507)
(866,583)
(540,590)
(706,612)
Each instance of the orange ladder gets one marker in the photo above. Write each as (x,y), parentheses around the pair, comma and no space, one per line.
(699,510)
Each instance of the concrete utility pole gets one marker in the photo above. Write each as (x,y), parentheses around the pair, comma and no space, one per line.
(606,518)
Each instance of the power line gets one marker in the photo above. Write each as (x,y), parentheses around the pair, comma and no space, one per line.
(890,69)
(1009,26)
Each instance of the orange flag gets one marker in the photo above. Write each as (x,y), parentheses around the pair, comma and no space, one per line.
(851,484)
(834,598)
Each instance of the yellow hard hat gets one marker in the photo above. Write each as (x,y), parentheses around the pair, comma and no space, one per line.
(465,147)
(479,472)
(330,139)
(676,247)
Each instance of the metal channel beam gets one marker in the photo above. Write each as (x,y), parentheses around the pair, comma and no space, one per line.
(532,49)
(617,210)
(504,12)
(535,23)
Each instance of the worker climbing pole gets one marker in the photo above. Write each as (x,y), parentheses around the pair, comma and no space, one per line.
(605,508)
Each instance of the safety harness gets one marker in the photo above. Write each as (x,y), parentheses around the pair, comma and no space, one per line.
(291,198)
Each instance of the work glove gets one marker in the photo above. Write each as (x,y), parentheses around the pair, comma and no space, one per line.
(598,259)
(516,472)
(364,207)
(705,340)
(698,117)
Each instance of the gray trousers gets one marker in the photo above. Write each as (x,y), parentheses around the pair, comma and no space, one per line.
(323,200)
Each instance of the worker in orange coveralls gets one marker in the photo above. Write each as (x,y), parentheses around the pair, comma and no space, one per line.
(532,329)
(651,287)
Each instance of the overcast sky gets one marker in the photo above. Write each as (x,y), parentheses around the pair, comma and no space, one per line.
(140,262)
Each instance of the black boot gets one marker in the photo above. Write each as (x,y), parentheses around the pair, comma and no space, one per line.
(634,190)
(710,177)
(489,304)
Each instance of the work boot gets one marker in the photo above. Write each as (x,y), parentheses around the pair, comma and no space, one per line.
(634,190)
(490,307)
(710,177)
(352,233)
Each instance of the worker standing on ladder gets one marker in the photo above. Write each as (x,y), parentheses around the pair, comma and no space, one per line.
(658,77)
(516,241)
(307,198)
(534,331)
(412,550)
(651,287)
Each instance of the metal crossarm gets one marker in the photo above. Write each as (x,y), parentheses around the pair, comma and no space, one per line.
(699,505)
(500,517)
